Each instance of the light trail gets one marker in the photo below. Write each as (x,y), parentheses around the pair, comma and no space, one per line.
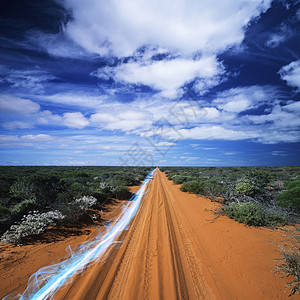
(56,276)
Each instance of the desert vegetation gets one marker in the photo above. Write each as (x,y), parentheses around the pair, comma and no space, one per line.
(259,196)
(33,198)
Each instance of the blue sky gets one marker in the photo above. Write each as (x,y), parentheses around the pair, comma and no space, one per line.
(198,83)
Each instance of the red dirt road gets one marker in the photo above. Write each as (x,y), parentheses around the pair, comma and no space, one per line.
(175,248)
(171,251)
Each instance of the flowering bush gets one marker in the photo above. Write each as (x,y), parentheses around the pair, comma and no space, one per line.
(32,224)
(86,202)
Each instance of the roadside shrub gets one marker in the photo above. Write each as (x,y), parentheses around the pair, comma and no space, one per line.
(246,187)
(213,187)
(291,261)
(192,186)
(210,187)
(179,179)
(291,197)
(86,202)
(252,214)
(31,224)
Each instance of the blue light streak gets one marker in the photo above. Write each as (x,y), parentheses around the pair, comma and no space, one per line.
(53,277)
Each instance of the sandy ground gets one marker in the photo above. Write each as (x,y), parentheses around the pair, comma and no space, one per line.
(175,248)
(18,263)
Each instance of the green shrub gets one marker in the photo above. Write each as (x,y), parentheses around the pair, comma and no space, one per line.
(291,197)
(179,179)
(261,178)
(246,187)
(192,186)
(252,214)
(23,207)
(292,184)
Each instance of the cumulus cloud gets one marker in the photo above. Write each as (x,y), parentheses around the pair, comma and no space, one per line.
(166,76)
(239,99)
(18,113)
(75,120)
(291,74)
(47,117)
(13,105)
(121,27)
(16,124)
(122,119)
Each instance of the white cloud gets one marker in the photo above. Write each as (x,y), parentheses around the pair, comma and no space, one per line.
(281,116)
(165,144)
(56,44)
(36,138)
(239,99)
(46,117)
(121,27)
(29,140)
(237,104)
(16,124)
(166,76)
(275,40)
(291,74)
(14,105)
(29,79)
(24,113)
(122,119)
(77,99)
(75,120)
(215,132)
(279,153)
(281,34)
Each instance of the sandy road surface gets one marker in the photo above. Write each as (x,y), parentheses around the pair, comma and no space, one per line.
(171,252)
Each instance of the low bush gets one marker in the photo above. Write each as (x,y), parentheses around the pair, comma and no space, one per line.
(252,214)
(192,186)
(291,261)
(291,197)
(31,224)
(246,187)
(179,179)
(207,187)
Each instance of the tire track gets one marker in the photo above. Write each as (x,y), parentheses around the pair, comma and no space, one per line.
(199,284)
